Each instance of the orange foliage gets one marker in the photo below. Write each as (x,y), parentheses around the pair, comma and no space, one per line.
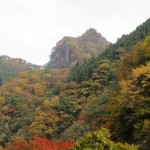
(23,74)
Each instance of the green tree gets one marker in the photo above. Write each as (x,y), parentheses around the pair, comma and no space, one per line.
(100,140)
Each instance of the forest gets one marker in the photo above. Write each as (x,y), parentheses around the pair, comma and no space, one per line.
(100,103)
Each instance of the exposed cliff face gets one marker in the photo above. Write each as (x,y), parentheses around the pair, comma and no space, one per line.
(69,50)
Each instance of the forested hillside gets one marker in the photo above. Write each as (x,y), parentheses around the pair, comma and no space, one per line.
(100,104)
(10,67)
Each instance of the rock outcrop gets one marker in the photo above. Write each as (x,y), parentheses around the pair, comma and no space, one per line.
(70,50)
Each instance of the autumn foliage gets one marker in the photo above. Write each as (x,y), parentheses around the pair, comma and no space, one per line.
(40,144)
(111,91)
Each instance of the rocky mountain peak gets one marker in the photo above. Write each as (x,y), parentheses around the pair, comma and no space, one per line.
(91,35)
(70,50)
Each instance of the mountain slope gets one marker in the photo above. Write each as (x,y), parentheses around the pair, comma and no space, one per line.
(69,50)
(113,52)
(111,92)
(127,41)
(10,67)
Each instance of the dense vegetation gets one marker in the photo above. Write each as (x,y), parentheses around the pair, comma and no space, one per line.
(103,103)
(113,52)
(10,67)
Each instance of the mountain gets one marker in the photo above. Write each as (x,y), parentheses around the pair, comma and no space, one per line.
(70,50)
(9,67)
(113,52)
(106,93)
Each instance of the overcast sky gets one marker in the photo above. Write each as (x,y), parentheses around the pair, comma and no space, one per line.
(30,28)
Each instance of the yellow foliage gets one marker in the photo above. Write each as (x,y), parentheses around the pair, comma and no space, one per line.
(5,108)
(22,83)
(46,103)
(131,88)
(54,101)
(142,70)
(39,118)
(39,90)
(2,100)
(86,57)
(41,126)
(17,90)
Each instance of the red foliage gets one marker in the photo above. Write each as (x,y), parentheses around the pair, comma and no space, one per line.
(81,118)
(12,109)
(40,144)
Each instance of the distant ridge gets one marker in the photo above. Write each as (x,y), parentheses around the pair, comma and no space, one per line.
(10,67)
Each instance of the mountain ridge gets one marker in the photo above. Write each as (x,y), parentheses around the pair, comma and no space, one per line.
(103,94)
(70,50)
(10,67)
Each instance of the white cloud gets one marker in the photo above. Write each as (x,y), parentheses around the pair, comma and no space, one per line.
(30,28)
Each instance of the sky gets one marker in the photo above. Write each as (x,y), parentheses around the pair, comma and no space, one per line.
(29,29)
